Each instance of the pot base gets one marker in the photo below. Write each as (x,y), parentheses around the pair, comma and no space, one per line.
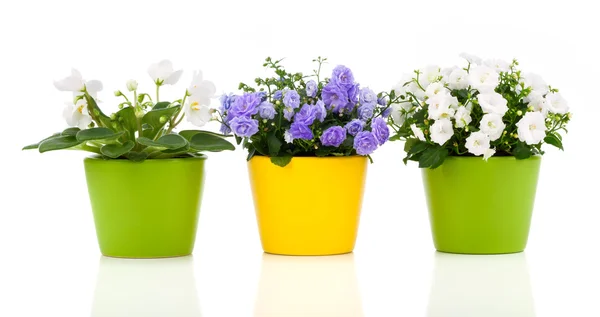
(145,257)
(318,254)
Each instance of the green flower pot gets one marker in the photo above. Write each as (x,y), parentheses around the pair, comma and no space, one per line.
(148,209)
(479,207)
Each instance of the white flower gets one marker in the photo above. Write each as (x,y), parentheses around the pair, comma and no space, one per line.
(452,101)
(132,85)
(471,58)
(435,89)
(400,112)
(488,153)
(497,64)
(406,84)
(162,73)
(197,112)
(287,136)
(458,79)
(532,128)
(539,87)
(478,143)
(78,85)
(441,131)
(483,78)
(462,117)
(539,104)
(202,89)
(429,75)
(77,115)
(492,102)
(556,103)
(492,125)
(417,132)
(439,107)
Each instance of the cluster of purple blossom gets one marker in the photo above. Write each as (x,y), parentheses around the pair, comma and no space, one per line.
(352,112)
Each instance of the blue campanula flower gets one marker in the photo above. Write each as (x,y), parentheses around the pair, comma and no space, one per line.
(306,115)
(300,131)
(266,110)
(333,136)
(288,113)
(386,113)
(382,101)
(245,105)
(334,97)
(365,143)
(366,112)
(244,126)
(277,95)
(291,99)
(367,97)
(311,88)
(321,111)
(353,93)
(380,130)
(342,77)
(262,95)
(225,129)
(354,127)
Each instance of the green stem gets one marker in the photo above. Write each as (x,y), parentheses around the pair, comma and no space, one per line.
(157,95)
(88,148)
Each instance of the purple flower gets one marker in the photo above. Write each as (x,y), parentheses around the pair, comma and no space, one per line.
(353,93)
(288,113)
(245,105)
(365,143)
(367,97)
(244,126)
(262,95)
(291,99)
(226,101)
(277,95)
(366,112)
(266,110)
(321,111)
(334,97)
(225,129)
(382,101)
(380,130)
(354,126)
(386,113)
(307,115)
(300,131)
(342,77)
(311,88)
(333,136)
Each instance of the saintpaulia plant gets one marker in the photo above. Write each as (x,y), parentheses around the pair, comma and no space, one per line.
(483,109)
(143,128)
(295,115)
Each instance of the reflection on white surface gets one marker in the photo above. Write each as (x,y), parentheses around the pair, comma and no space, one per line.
(312,286)
(481,285)
(146,288)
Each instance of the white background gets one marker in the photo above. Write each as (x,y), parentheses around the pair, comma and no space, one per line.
(49,261)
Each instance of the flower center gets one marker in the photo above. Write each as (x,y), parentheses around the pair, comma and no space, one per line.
(80,109)
(195,105)
(476,143)
(532,127)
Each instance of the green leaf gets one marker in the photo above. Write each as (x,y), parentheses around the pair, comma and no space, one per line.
(169,141)
(433,157)
(96,113)
(281,160)
(58,143)
(554,139)
(417,147)
(153,119)
(137,156)
(409,144)
(522,151)
(161,105)
(274,144)
(70,131)
(126,118)
(183,149)
(188,134)
(323,151)
(420,115)
(251,152)
(116,150)
(209,142)
(97,134)
(36,145)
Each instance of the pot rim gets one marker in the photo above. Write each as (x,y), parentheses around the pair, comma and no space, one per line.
(99,158)
(496,158)
(345,157)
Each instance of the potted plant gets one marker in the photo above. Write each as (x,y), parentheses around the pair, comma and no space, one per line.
(308,143)
(478,133)
(144,180)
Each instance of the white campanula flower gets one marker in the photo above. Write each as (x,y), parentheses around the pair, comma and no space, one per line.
(435,89)
(132,85)
(493,102)
(532,128)
(197,111)
(472,59)
(539,104)
(556,103)
(201,89)
(492,125)
(483,78)
(462,117)
(458,79)
(429,75)
(478,143)
(76,84)
(162,73)
(488,153)
(439,107)
(497,64)
(288,136)
(400,112)
(417,132)
(406,84)
(539,87)
(77,114)
(441,131)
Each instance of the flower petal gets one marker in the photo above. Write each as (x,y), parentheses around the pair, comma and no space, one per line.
(173,78)
(93,86)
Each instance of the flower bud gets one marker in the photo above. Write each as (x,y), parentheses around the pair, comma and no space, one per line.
(530,108)
(426,121)
(277,102)
(569,115)
(118,93)
(96,112)
(265,120)
(132,85)
(162,119)
(91,125)
(519,113)
(120,106)
(115,125)
(467,129)
(504,133)
(113,116)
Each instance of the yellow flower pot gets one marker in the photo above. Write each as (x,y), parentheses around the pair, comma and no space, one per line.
(309,207)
